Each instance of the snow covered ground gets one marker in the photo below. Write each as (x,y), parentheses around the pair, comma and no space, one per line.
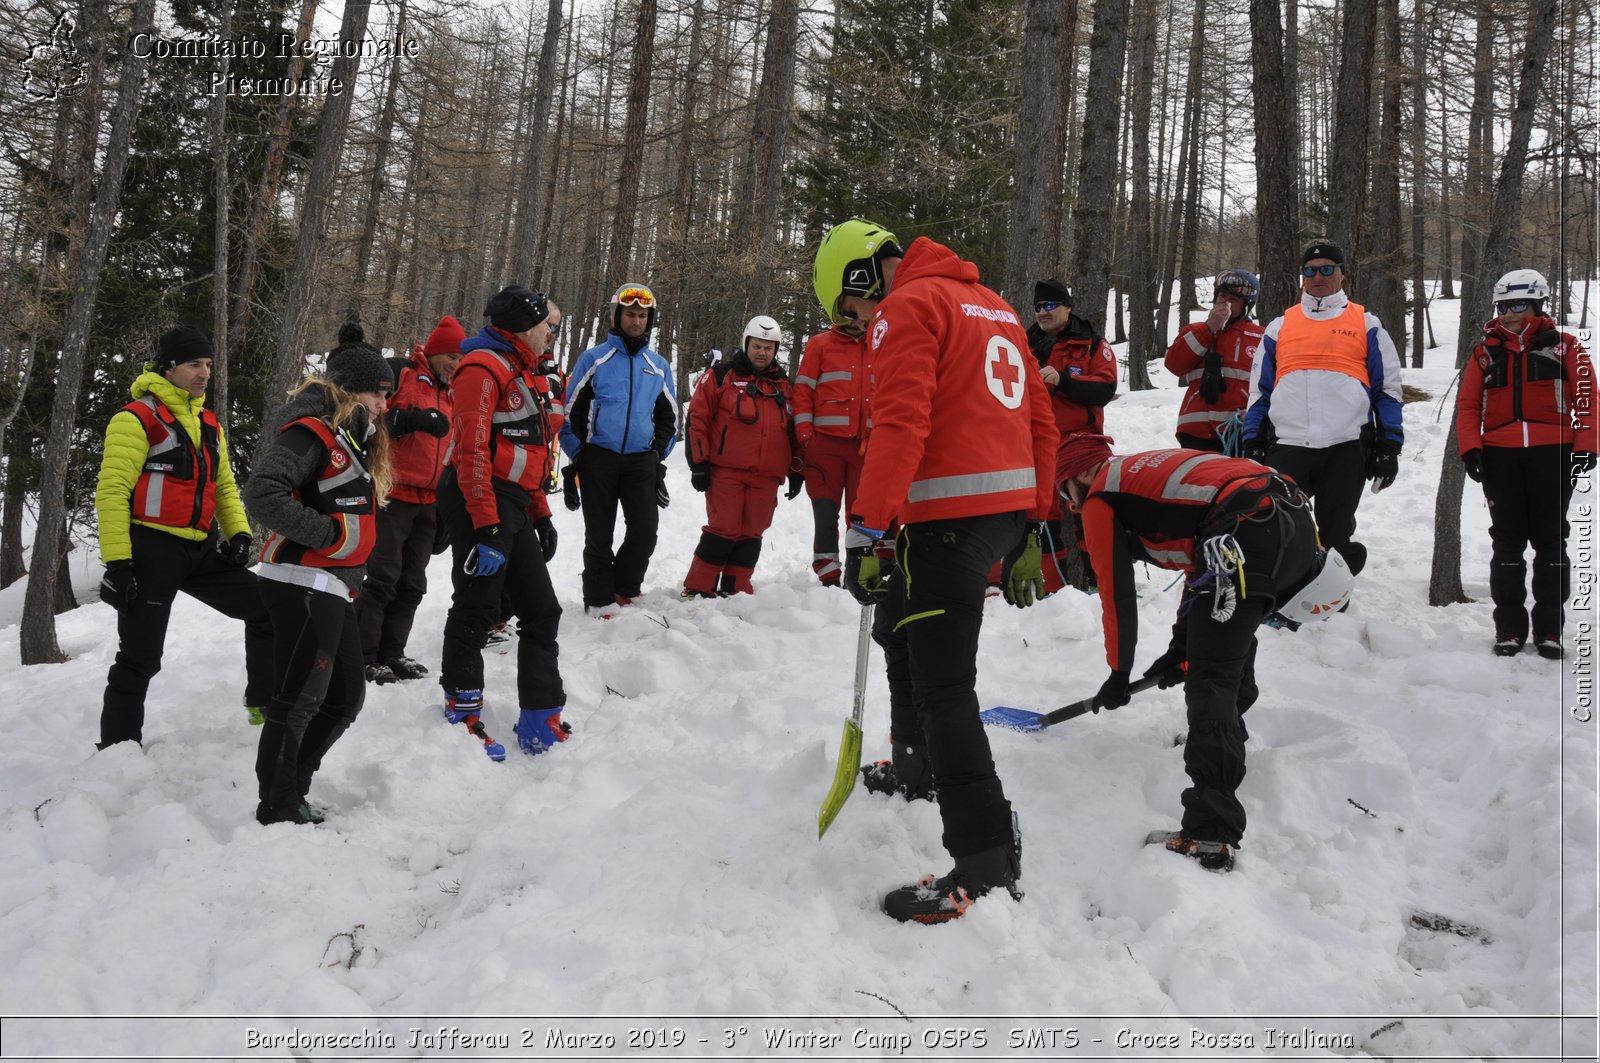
(664,864)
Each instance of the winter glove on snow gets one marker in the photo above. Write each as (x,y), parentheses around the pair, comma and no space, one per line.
(797,480)
(119,587)
(700,476)
(1473,460)
(1023,580)
(1582,462)
(569,489)
(663,500)
(545,529)
(1113,692)
(1170,668)
(235,552)
(540,729)
(486,556)
(1211,383)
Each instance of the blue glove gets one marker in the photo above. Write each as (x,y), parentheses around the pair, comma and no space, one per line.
(540,729)
(485,558)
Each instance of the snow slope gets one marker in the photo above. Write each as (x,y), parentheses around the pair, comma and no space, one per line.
(665,861)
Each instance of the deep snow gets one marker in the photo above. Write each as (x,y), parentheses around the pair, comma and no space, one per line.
(665,861)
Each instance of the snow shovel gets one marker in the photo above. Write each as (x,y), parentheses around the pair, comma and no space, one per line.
(849,766)
(1028,720)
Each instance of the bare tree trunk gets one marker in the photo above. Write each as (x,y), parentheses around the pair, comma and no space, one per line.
(1093,214)
(318,197)
(619,261)
(1188,126)
(533,203)
(1419,170)
(224,200)
(773,105)
(566,159)
(1291,111)
(38,636)
(1347,166)
(380,162)
(1069,122)
(1444,581)
(1035,237)
(1386,275)
(1190,240)
(11,566)
(1276,201)
(1143,337)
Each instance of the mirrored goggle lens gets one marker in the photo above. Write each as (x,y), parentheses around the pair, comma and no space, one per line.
(1326,270)
(636,297)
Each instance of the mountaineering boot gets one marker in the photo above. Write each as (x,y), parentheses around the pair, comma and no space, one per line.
(1213,856)
(939,900)
(540,729)
(1507,646)
(1549,647)
(298,812)
(498,635)
(381,674)
(910,773)
(405,667)
(460,704)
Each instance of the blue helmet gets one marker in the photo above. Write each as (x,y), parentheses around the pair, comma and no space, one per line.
(1241,283)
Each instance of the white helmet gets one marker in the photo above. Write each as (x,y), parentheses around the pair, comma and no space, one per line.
(1521,284)
(762,327)
(1327,593)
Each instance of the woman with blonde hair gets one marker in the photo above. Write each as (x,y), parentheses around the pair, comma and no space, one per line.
(317,490)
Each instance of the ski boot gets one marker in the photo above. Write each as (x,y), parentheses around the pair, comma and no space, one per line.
(540,729)
(461,704)
(1213,856)
(948,897)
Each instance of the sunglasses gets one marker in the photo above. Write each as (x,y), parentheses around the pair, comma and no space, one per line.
(1311,271)
(1047,306)
(1517,307)
(636,297)
(555,330)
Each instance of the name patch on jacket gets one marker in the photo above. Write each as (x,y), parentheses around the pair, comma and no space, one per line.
(989,313)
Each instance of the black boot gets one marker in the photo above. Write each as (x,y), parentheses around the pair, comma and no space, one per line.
(939,900)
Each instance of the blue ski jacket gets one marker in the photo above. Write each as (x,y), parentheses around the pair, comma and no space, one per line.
(622,402)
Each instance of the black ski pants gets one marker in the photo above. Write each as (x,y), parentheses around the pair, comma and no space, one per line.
(1333,477)
(1221,683)
(397,578)
(476,604)
(164,564)
(928,627)
(608,480)
(321,687)
(1528,489)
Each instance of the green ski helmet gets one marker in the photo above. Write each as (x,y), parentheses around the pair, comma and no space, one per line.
(849,262)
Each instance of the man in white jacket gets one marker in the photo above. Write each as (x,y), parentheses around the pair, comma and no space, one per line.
(1325,400)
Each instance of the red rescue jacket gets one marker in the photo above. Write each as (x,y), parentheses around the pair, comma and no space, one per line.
(1237,344)
(743,419)
(961,419)
(1088,369)
(833,387)
(503,428)
(177,487)
(343,491)
(1526,390)
(418,458)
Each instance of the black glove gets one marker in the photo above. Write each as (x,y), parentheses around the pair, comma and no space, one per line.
(1113,692)
(441,533)
(569,489)
(235,552)
(545,529)
(1582,462)
(1382,458)
(662,498)
(1254,450)
(1211,382)
(1171,667)
(797,480)
(119,588)
(402,422)
(1473,460)
(700,476)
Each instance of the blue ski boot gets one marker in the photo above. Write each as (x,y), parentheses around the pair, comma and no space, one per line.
(460,704)
(540,729)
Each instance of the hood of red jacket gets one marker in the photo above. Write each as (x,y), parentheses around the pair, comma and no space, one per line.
(925,258)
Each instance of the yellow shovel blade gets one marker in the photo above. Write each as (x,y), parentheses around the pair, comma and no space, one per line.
(844,776)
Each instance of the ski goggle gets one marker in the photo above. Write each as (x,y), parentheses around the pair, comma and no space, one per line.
(636,297)
(1517,306)
(1311,271)
(1238,290)
(1046,306)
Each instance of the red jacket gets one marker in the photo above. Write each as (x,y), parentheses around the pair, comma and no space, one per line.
(417,457)
(833,388)
(1237,344)
(1155,507)
(503,430)
(1088,369)
(1526,390)
(742,419)
(961,419)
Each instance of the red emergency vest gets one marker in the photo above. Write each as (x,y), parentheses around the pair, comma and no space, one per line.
(343,490)
(177,487)
(742,420)
(521,426)
(417,457)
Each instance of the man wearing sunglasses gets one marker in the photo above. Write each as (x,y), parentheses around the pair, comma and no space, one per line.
(1526,431)
(622,422)
(1325,400)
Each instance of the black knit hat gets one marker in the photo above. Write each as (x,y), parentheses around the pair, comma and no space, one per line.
(516,309)
(1323,249)
(180,344)
(1051,291)
(356,365)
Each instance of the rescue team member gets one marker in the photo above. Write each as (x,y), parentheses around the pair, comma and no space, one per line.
(741,446)
(1325,400)
(165,487)
(493,497)
(397,572)
(317,490)
(1244,537)
(622,420)
(1212,359)
(1526,430)
(833,386)
(962,449)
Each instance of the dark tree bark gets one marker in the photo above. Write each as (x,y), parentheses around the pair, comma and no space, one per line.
(620,259)
(380,162)
(38,636)
(1035,237)
(223,195)
(1144,343)
(1419,170)
(1092,216)
(1386,271)
(533,203)
(1276,199)
(1347,161)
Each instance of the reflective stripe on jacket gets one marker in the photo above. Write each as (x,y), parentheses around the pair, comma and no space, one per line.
(342,490)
